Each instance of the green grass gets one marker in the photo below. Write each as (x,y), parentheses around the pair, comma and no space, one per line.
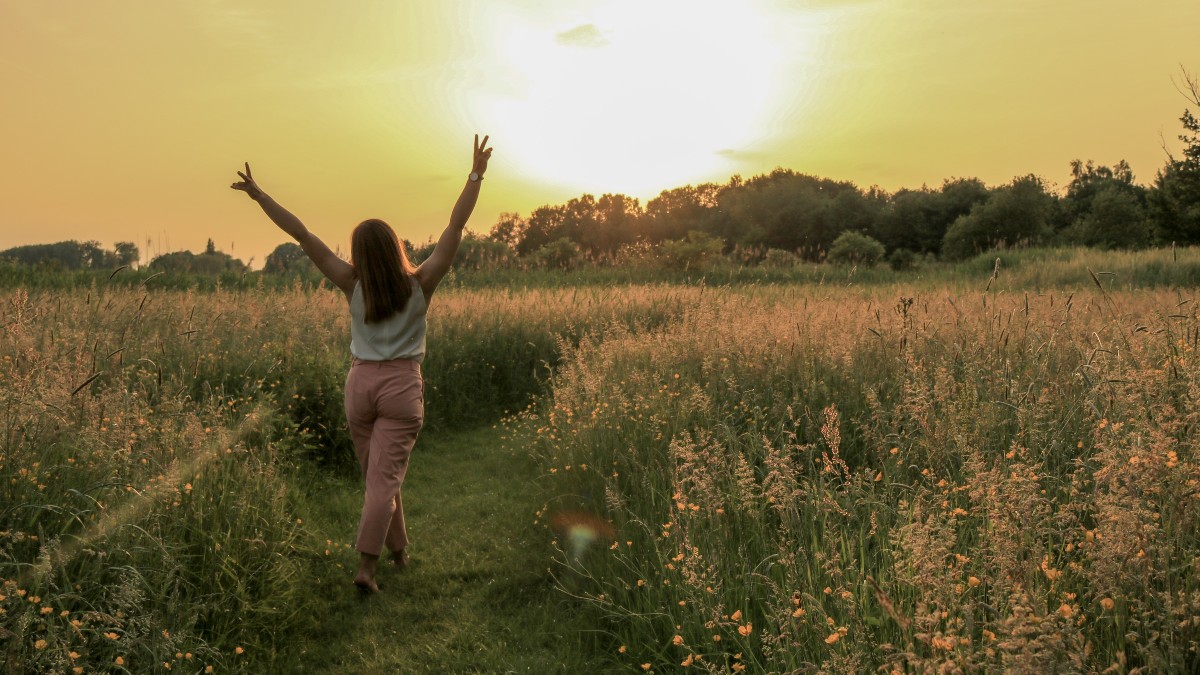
(477,596)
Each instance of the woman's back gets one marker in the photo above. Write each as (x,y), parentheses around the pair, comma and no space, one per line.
(400,336)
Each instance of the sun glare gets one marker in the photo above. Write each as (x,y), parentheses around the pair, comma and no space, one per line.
(631,97)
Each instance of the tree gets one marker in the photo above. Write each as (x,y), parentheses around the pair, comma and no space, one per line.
(1016,214)
(126,252)
(1116,219)
(72,255)
(1175,200)
(509,229)
(909,215)
(543,226)
(211,261)
(288,257)
(673,213)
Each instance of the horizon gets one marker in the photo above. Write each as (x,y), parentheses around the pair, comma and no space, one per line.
(133,121)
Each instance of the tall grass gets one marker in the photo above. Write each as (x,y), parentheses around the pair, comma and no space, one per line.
(847,480)
(139,521)
(153,441)
(983,467)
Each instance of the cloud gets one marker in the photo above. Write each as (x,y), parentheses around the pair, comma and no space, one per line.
(586,35)
(742,155)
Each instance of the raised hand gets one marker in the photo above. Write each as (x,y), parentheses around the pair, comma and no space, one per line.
(247,184)
(482,155)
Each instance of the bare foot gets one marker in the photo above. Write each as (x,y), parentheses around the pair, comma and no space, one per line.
(366,585)
(365,579)
(400,558)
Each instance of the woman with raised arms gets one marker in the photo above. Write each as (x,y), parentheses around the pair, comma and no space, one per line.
(387,298)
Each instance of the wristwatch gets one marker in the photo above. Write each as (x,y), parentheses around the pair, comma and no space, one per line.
(474,177)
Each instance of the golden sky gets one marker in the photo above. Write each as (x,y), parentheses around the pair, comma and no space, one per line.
(126,120)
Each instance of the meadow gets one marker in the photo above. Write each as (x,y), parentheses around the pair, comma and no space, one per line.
(981,467)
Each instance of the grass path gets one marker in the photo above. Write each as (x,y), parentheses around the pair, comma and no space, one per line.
(477,596)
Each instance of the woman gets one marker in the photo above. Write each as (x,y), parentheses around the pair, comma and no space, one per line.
(384,390)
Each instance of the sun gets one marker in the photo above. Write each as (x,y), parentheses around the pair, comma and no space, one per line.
(631,97)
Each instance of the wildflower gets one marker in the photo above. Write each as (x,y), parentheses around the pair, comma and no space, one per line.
(238,650)
(745,631)
(688,661)
(120,661)
(677,640)
(111,636)
(798,613)
(1066,610)
(973,581)
(645,666)
(833,637)
(737,616)
(74,654)
(738,667)
(1107,603)
(621,649)
(939,642)
(40,644)
(208,669)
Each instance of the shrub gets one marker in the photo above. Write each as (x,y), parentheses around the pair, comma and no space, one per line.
(856,249)
(779,258)
(697,250)
(902,259)
(562,253)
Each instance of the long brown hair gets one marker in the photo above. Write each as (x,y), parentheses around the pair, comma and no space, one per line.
(383,269)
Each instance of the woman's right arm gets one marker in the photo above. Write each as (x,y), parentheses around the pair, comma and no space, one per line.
(340,272)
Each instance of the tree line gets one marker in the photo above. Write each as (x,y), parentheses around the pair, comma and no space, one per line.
(785,216)
(806,216)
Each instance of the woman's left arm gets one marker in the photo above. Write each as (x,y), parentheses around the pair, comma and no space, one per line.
(340,272)
(430,273)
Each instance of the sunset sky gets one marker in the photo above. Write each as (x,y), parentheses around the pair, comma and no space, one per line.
(123,120)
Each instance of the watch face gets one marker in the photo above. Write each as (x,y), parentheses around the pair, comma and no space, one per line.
(474,176)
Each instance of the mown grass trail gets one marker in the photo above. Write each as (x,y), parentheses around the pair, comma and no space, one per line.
(477,596)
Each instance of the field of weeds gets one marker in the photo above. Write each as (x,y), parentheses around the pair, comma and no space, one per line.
(803,479)
(985,474)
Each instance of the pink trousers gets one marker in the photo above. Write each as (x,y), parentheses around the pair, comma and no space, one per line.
(385,409)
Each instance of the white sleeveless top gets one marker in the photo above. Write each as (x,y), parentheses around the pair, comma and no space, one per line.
(400,336)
